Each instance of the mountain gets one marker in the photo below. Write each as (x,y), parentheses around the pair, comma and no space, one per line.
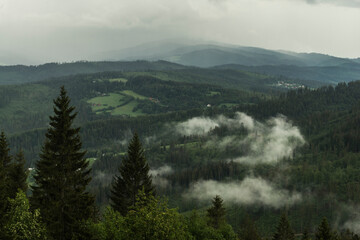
(307,66)
(212,55)
(173,55)
(209,55)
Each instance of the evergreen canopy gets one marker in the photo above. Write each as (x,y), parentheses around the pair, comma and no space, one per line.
(284,230)
(62,174)
(134,177)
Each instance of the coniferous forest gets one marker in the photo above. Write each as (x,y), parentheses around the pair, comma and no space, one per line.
(180,120)
(144,155)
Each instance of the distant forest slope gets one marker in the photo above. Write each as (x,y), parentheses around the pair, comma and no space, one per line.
(322,74)
(25,74)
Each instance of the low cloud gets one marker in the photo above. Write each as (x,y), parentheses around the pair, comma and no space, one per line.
(203,125)
(196,126)
(353,222)
(102,177)
(126,136)
(250,191)
(272,142)
(158,174)
(164,170)
(265,143)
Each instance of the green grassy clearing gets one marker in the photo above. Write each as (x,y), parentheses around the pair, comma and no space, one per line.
(123,80)
(111,104)
(91,161)
(134,94)
(213,93)
(127,110)
(104,102)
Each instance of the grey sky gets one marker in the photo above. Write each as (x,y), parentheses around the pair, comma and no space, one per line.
(43,30)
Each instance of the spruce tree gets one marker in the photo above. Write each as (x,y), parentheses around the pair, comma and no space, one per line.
(216,214)
(134,177)
(18,175)
(305,235)
(62,175)
(5,165)
(324,231)
(249,230)
(284,230)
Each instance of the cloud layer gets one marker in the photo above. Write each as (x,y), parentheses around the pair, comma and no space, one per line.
(250,191)
(268,142)
(71,30)
(158,176)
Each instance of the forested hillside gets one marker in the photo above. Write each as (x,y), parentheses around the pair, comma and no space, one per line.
(265,152)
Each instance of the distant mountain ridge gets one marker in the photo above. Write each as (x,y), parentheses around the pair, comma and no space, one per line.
(327,74)
(210,55)
(307,66)
(172,55)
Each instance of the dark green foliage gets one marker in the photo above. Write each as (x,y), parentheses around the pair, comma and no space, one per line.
(216,213)
(199,228)
(18,174)
(5,166)
(306,235)
(62,175)
(249,230)
(324,231)
(284,230)
(134,177)
(151,219)
(23,224)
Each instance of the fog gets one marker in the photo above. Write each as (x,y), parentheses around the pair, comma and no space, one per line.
(250,191)
(268,142)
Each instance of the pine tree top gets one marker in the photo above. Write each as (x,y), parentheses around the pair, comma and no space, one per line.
(63,173)
(134,176)
(284,230)
(5,158)
(216,213)
(323,231)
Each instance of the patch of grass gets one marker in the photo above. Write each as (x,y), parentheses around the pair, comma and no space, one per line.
(91,161)
(123,80)
(134,94)
(111,103)
(213,93)
(127,110)
(104,102)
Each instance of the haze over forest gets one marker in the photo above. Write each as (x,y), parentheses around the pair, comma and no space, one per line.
(243,114)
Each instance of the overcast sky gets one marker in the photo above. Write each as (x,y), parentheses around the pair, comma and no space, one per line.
(65,30)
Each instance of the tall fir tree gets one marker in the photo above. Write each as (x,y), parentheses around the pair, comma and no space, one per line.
(249,230)
(134,177)
(5,165)
(62,175)
(284,230)
(216,213)
(324,231)
(18,175)
(306,235)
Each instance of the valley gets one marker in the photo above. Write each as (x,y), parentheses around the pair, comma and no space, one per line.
(209,129)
